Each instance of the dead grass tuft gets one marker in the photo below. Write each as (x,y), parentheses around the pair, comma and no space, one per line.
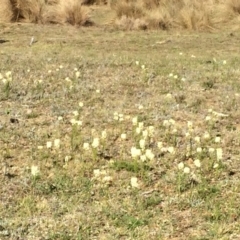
(194,15)
(27,10)
(129,9)
(71,12)
(6,13)
(128,23)
(185,14)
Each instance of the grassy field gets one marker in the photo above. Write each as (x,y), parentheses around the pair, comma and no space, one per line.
(109,134)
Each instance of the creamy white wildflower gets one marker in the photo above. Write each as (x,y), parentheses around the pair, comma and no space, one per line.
(135,121)
(137,63)
(170,75)
(142,143)
(57,69)
(151,130)
(49,71)
(115,116)
(35,170)
(75,113)
(86,146)
(143,67)
(67,158)
(219,153)
(77,74)
(216,165)
(180,53)
(164,149)
(98,91)
(75,69)
(175,76)
(199,149)
(140,107)
(96,173)
(120,117)
(104,134)
(190,124)
(61,66)
(160,145)
(197,163)
(169,96)
(143,158)
(217,139)
(166,123)
(206,135)
(174,131)
(149,154)
(186,170)
(57,143)
(4,81)
(183,79)
(49,144)
(138,130)
(95,143)
(181,166)
(134,182)
(224,62)
(197,139)
(135,152)
(107,179)
(8,75)
(76,122)
(171,121)
(211,150)
(80,104)
(208,118)
(171,150)
(123,136)
(40,147)
(187,134)
(1,76)
(141,125)
(145,133)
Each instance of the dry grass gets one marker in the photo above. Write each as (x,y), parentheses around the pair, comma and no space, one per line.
(96,2)
(130,14)
(71,12)
(27,10)
(6,13)
(183,14)
(41,11)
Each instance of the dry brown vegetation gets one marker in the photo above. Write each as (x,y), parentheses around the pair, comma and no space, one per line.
(183,14)
(130,14)
(44,11)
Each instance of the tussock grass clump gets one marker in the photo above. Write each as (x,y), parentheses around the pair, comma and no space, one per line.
(6,13)
(45,11)
(71,12)
(27,10)
(183,14)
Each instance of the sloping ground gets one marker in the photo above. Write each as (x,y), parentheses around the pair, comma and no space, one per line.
(184,85)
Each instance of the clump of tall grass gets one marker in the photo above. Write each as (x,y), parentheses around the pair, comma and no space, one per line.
(183,14)
(70,12)
(44,11)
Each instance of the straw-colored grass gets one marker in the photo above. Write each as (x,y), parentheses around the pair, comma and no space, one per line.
(71,12)
(28,10)
(6,13)
(183,14)
(130,14)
